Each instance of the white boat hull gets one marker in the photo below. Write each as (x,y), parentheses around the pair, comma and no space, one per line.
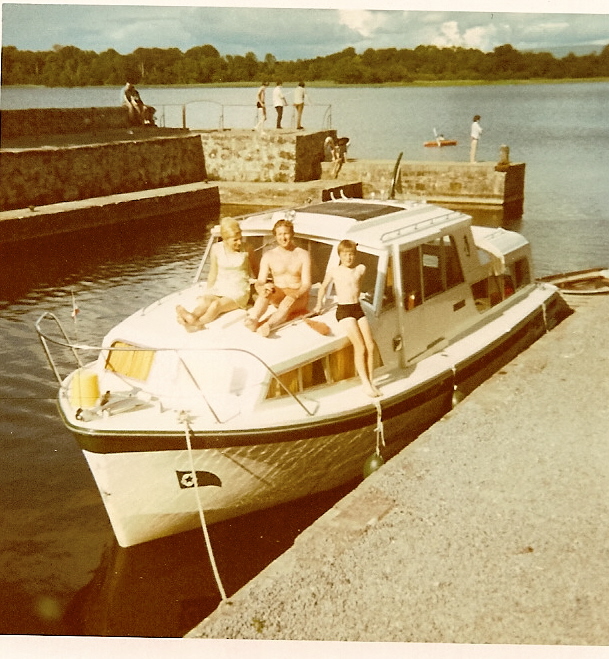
(149,494)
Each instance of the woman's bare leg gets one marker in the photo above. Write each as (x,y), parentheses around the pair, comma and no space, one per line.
(217,307)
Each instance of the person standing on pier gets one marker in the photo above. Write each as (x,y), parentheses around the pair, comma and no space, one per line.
(299,102)
(475,133)
(261,106)
(279,102)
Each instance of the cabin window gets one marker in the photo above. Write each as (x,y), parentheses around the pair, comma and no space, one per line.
(368,283)
(320,255)
(256,245)
(130,361)
(331,368)
(389,291)
(522,273)
(410,262)
(489,292)
(430,269)
(454,273)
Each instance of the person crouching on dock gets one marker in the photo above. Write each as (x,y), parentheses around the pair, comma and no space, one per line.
(347,277)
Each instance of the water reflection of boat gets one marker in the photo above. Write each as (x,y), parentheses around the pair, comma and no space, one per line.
(164,588)
(593,281)
(228,422)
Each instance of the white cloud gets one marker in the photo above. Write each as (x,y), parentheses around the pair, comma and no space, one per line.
(365,23)
(481,37)
(449,35)
(452,34)
(287,33)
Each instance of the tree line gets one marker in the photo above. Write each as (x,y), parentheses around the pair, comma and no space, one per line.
(68,66)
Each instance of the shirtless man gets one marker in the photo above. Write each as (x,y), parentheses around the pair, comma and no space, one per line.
(289,267)
(349,313)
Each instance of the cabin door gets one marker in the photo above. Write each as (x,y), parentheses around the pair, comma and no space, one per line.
(379,303)
(433,297)
(413,326)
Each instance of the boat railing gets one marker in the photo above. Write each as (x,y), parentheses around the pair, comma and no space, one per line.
(436,220)
(76,349)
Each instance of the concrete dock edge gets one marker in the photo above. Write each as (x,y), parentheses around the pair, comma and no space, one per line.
(492,527)
(70,216)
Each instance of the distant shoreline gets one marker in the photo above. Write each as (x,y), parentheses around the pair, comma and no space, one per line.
(323,84)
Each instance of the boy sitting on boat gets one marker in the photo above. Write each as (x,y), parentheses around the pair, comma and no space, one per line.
(228,283)
(284,280)
(349,313)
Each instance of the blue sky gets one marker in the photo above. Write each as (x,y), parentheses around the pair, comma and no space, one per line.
(301,30)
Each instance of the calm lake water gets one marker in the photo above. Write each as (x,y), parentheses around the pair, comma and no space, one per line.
(61,571)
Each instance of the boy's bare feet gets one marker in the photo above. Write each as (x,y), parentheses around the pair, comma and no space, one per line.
(372,391)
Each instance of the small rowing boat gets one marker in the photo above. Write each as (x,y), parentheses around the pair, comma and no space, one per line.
(593,281)
(441,142)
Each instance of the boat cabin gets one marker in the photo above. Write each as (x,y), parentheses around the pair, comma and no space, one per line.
(430,276)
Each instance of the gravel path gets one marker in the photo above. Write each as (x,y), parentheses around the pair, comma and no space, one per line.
(492,527)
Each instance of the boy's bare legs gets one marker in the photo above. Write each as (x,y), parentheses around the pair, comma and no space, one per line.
(364,327)
(352,328)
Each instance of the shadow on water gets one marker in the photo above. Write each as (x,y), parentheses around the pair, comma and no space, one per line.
(58,261)
(62,260)
(166,587)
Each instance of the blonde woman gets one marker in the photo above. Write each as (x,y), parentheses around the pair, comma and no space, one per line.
(228,283)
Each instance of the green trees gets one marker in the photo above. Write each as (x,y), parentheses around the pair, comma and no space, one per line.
(68,66)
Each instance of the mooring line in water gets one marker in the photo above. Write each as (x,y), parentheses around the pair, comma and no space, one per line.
(183,418)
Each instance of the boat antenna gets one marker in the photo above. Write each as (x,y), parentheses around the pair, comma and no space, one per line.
(395,183)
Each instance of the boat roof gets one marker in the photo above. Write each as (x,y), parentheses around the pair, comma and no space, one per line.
(499,239)
(372,223)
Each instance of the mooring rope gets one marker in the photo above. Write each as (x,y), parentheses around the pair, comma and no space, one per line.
(545,317)
(183,418)
(379,430)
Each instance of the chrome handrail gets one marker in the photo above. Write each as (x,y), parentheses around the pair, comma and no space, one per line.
(326,122)
(74,347)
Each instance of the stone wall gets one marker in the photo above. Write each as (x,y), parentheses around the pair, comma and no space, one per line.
(273,157)
(35,177)
(482,183)
(60,121)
